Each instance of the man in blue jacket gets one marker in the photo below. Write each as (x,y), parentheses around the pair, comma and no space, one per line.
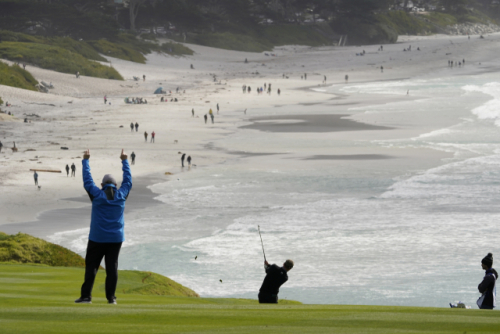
(106,228)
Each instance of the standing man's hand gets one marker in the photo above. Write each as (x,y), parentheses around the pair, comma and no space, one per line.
(86,154)
(123,156)
(266,263)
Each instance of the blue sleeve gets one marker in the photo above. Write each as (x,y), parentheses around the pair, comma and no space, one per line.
(127,180)
(88,182)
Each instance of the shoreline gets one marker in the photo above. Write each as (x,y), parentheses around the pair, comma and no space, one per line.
(53,221)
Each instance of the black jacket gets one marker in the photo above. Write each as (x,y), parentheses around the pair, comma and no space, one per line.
(276,277)
(487,287)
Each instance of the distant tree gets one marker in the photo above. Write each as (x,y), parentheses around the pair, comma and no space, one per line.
(362,8)
(454,5)
(133,7)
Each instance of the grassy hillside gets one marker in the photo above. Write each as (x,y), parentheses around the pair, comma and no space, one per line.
(15,76)
(79,47)
(261,38)
(39,299)
(55,58)
(23,248)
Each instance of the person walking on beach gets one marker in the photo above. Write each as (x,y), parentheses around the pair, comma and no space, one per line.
(77,75)
(279,92)
(1,146)
(146,136)
(67,170)
(132,127)
(153,136)
(105,99)
(143,77)
(217,108)
(275,278)
(212,117)
(133,157)
(305,76)
(182,159)
(382,69)
(346,78)
(35,176)
(73,170)
(192,112)
(136,126)
(206,118)
(189,161)
(106,228)
(487,287)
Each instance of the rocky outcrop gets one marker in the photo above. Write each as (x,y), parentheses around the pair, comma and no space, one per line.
(471,29)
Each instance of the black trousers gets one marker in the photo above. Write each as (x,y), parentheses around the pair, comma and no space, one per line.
(95,252)
(265,298)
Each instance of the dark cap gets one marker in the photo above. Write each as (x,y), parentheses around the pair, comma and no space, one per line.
(108,179)
(488,260)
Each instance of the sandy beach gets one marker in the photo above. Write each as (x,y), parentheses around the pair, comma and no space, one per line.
(73,114)
(309,128)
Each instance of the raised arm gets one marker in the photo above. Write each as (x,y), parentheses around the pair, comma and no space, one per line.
(127,176)
(88,182)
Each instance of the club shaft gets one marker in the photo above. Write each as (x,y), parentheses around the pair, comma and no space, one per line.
(262,242)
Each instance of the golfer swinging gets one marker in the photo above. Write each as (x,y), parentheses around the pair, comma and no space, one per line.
(275,277)
(106,228)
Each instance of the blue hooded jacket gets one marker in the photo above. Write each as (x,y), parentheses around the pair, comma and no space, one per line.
(108,205)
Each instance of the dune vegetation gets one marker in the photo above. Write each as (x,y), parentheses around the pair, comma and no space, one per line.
(55,58)
(15,76)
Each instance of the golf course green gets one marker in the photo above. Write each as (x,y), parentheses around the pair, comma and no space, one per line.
(40,299)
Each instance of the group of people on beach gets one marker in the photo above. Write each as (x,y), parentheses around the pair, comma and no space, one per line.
(134,100)
(153,135)
(73,170)
(132,125)
(451,63)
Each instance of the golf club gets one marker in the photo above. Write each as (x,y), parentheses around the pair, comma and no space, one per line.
(262,242)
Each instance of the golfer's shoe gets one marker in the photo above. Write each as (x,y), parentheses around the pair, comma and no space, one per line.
(82,300)
(112,301)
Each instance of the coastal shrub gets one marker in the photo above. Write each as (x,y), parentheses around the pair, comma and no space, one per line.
(176,49)
(230,41)
(67,43)
(118,51)
(289,34)
(15,76)
(365,32)
(24,248)
(55,58)
(262,38)
(441,19)
(404,23)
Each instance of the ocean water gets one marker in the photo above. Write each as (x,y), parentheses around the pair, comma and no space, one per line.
(391,235)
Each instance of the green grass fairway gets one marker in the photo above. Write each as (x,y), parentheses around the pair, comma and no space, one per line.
(39,299)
